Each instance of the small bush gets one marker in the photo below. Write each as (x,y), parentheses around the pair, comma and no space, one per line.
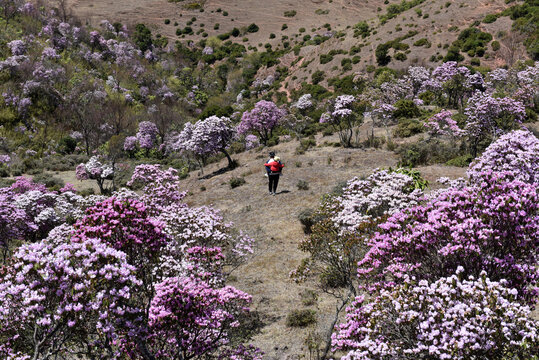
(461,161)
(51,182)
(302,185)
(307,218)
(408,127)
(309,297)
(406,109)
(301,318)
(290,13)
(236,181)
(253,28)
(167,21)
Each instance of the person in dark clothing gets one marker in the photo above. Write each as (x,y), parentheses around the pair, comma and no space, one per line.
(275,169)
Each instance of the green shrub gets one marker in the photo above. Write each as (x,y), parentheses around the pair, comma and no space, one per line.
(490,18)
(406,109)
(51,182)
(317,76)
(304,145)
(290,13)
(400,56)
(408,127)
(325,58)
(67,145)
(302,185)
(236,181)
(301,318)
(167,21)
(426,153)
(252,28)
(460,161)
(495,45)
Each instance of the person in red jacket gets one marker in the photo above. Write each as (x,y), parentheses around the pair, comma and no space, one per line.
(275,170)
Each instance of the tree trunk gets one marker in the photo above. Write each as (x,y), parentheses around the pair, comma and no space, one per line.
(230,161)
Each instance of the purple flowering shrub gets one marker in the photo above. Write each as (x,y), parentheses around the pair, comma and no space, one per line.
(125,225)
(448,318)
(490,116)
(189,318)
(59,296)
(515,155)
(261,120)
(147,134)
(491,226)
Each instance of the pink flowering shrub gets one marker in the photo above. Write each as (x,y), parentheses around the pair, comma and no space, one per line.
(125,225)
(147,134)
(261,120)
(442,124)
(515,154)
(188,318)
(449,318)
(491,226)
(58,296)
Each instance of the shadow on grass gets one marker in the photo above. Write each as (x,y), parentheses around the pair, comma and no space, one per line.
(220,171)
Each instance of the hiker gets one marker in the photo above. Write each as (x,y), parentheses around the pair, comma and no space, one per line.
(273,168)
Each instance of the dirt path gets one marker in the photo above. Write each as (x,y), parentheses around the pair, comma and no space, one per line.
(273,220)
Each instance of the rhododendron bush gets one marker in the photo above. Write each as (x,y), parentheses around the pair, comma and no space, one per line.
(491,226)
(142,276)
(449,318)
(514,155)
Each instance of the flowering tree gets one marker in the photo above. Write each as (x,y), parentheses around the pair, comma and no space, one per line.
(490,116)
(63,298)
(514,155)
(442,124)
(209,136)
(261,120)
(382,114)
(491,226)
(147,135)
(96,170)
(343,118)
(449,318)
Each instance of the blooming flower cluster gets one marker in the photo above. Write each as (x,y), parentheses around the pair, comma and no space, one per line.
(95,169)
(261,120)
(449,318)
(58,295)
(382,193)
(208,136)
(514,155)
(146,135)
(491,226)
(442,124)
(304,102)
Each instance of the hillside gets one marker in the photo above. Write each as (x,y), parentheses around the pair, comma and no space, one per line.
(423,31)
